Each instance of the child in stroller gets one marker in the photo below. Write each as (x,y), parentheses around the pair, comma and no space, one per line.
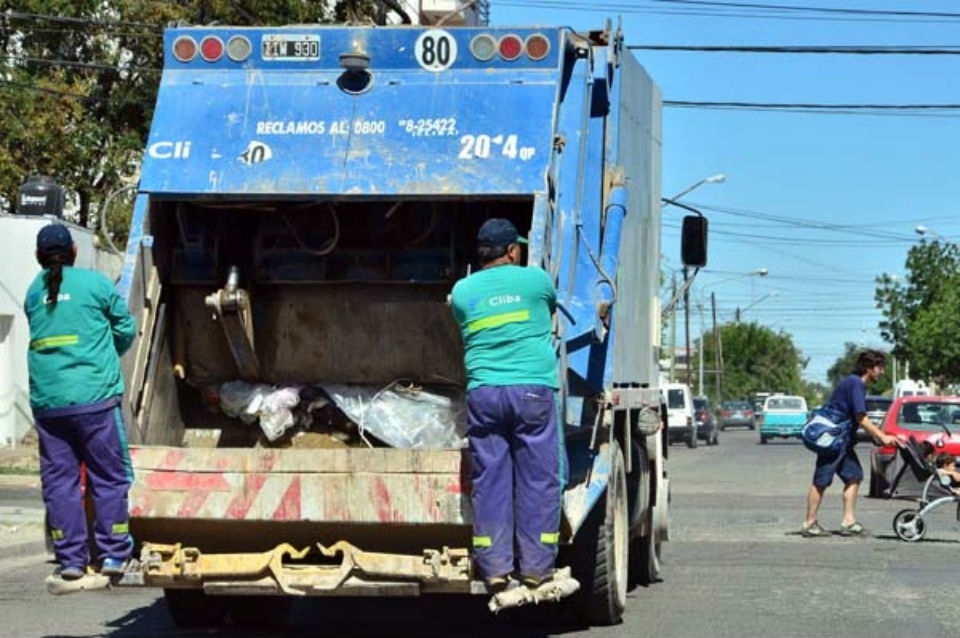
(938,489)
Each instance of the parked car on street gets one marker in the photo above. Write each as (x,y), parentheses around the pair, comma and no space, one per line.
(706,422)
(877,406)
(737,414)
(926,418)
(680,422)
(784,416)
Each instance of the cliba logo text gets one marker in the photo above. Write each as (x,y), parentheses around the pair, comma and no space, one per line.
(170,150)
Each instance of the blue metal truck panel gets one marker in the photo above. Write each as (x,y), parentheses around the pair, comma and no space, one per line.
(282,126)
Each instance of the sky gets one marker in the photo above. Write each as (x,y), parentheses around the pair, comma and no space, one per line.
(824,202)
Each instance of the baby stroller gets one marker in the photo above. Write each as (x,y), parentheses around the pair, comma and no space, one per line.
(909,524)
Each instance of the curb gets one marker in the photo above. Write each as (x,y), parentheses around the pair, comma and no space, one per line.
(20,480)
(26,549)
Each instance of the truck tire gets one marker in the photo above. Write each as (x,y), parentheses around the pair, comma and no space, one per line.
(644,560)
(692,438)
(193,608)
(600,551)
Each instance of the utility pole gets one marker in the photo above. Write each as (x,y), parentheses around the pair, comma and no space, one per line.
(686,323)
(673,330)
(716,344)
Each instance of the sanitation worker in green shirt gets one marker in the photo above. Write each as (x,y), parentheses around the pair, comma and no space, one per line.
(516,451)
(79,327)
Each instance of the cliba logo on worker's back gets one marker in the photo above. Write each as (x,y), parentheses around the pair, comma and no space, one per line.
(503,300)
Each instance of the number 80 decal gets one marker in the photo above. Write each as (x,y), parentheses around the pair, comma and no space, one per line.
(436,50)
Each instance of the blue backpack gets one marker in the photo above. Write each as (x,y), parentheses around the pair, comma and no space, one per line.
(827,432)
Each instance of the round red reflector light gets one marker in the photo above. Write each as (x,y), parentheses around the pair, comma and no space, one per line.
(537,47)
(483,47)
(211,48)
(184,48)
(510,47)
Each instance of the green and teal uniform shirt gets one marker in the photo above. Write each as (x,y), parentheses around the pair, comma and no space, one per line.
(75,346)
(504,314)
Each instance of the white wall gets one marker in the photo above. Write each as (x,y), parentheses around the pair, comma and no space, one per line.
(18,267)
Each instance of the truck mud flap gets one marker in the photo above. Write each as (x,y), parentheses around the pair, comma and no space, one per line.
(338,570)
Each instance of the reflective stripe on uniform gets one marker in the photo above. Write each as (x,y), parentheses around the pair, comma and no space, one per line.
(499,320)
(482,541)
(550,538)
(120,528)
(56,534)
(54,342)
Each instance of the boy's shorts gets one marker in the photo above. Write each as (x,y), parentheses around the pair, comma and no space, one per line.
(846,466)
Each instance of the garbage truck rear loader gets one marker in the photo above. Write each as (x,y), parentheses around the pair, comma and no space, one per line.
(308,197)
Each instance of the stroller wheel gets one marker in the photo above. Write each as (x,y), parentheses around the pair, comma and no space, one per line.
(909,526)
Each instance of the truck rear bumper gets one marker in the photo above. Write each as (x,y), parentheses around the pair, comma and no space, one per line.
(339,570)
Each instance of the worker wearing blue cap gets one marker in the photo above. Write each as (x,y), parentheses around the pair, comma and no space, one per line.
(79,327)
(517,458)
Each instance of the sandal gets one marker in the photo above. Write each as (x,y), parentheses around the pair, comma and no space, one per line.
(854,529)
(813,530)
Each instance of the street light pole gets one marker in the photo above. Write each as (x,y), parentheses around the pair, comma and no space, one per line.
(923,230)
(686,321)
(717,357)
(713,179)
(740,311)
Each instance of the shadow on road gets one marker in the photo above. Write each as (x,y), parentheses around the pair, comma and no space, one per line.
(426,617)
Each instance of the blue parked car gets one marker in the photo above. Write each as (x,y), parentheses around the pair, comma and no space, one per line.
(783,416)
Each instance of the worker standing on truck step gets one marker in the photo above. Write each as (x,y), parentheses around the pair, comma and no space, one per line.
(79,327)
(517,455)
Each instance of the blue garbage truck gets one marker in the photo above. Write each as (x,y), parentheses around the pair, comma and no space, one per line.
(308,197)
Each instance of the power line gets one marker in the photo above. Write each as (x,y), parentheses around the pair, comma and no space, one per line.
(863,110)
(81,65)
(802,8)
(745,10)
(20,15)
(11,84)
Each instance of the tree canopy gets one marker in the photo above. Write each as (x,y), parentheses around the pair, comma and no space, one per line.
(921,313)
(845,364)
(755,359)
(79,79)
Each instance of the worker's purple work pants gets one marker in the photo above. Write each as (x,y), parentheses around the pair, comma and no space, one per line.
(97,439)
(518,467)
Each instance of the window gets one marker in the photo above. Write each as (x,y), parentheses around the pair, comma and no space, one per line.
(928,417)
(676,400)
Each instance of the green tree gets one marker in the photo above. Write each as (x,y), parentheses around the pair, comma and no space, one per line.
(845,364)
(920,313)
(80,79)
(755,359)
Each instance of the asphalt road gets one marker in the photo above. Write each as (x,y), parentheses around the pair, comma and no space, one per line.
(29,496)
(735,566)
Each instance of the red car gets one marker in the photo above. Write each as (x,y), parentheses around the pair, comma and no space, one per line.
(926,418)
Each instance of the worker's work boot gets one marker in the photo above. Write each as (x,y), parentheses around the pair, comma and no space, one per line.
(513,595)
(69,580)
(557,586)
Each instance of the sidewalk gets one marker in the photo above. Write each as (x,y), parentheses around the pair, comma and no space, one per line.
(21,521)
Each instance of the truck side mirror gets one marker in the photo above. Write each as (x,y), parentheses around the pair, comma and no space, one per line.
(693,241)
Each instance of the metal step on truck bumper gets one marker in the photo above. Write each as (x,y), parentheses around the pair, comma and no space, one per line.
(338,570)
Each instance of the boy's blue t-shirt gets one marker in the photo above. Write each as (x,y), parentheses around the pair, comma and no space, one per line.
(505,319)
(850,398)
